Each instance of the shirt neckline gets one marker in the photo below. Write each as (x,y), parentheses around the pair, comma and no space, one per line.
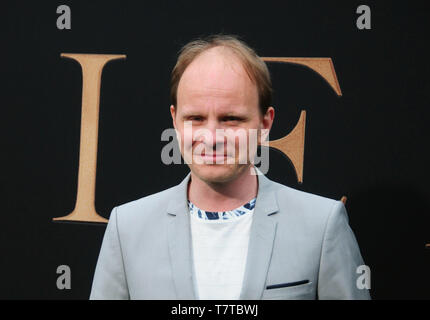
(230,215)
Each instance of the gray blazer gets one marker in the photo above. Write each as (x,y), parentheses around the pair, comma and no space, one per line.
(299,241)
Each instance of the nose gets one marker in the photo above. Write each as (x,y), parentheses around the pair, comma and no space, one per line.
(212,135)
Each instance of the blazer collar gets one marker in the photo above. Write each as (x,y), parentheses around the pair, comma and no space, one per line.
(260,246)
(266,198)
(261,239)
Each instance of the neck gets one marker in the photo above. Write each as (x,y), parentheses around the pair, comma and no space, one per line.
(223,196)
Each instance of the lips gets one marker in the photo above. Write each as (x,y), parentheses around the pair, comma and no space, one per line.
(213,157)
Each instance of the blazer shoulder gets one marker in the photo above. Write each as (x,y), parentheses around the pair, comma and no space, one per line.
(304,203)
(147,206)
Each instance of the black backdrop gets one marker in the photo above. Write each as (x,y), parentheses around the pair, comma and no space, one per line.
(369,144)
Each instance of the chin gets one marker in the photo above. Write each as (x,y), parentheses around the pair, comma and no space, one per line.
(217,173)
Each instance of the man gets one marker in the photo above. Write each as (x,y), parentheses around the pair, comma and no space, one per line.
(226,231)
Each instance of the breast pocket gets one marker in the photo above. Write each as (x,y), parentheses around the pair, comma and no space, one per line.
(300,290)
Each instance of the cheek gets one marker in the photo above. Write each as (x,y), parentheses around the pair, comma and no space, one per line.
(187,137)
(241,138)
(238,141)
(184,135)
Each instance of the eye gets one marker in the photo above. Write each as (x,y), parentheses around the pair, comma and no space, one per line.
(195,118)
(232,118)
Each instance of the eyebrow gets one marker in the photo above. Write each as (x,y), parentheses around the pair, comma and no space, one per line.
(193,110)
(222,115)
(191,114)
(233,114)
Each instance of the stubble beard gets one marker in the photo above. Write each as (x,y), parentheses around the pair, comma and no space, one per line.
(210,176)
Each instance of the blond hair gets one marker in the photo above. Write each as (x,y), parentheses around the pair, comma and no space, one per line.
(254,66)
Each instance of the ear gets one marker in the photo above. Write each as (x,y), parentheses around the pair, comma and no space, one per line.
(267,121)
(173,113)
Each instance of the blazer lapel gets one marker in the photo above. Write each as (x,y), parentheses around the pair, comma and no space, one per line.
(263,230)
(179,238)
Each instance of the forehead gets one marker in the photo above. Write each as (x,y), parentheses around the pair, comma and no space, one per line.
(218,76)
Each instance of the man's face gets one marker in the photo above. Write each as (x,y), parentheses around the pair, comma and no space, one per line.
(216,96)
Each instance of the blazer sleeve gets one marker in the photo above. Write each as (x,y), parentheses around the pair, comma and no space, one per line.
(109,281)
(340,258)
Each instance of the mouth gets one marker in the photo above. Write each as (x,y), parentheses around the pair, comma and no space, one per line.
(213,157)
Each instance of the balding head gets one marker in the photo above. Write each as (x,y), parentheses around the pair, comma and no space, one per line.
(228,49)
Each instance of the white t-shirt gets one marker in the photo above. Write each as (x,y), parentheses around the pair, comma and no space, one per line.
(220,247)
